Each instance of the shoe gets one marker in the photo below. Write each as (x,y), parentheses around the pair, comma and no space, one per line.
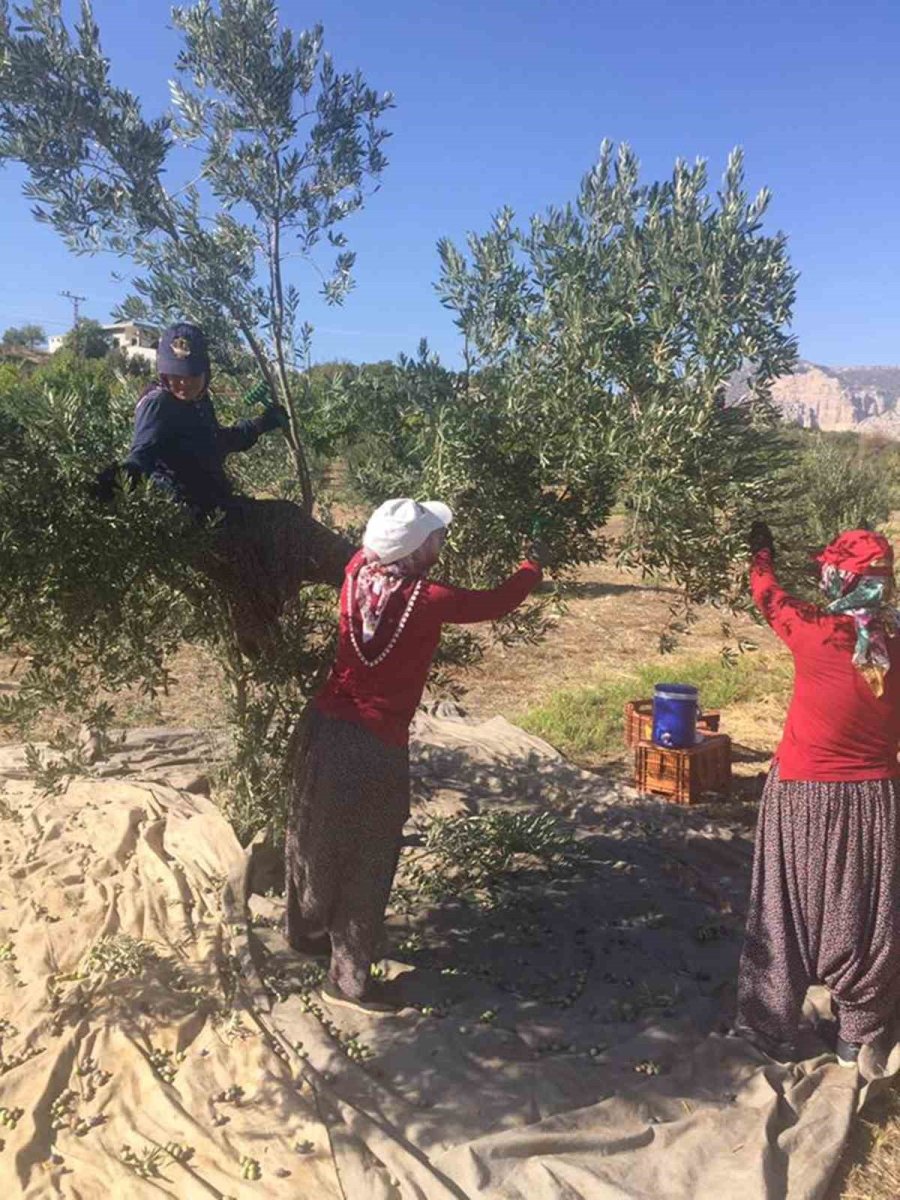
(371,1004)
(826,1032)
(318,946)
(847,1053)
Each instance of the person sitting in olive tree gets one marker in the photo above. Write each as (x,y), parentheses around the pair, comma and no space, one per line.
(178,441)
(263,550)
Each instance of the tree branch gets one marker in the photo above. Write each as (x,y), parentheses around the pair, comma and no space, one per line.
(276,286)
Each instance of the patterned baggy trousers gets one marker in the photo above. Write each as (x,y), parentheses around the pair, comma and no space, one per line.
(824,906)
(349,801)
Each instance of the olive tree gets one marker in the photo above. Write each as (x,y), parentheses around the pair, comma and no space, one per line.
(264,152)
(29,336)
(86,595)
(601,336)
(95,597)
(87,339)
(273,146)
(597,344)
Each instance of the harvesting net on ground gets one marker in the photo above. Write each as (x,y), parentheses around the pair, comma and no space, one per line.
(559,1038)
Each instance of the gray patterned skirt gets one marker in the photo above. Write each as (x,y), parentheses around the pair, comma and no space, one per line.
(261,556)
(349,801)
(824,906)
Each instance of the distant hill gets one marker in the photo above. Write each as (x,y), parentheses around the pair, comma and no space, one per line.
(838,399)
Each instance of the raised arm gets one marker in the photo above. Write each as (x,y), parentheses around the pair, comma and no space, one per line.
(790,618)
(465,606)
(246,433)
(242,435)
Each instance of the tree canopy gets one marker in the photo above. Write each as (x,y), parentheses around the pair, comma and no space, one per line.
(275,147)
(606,331)
(27,336)
(87,339)
(597,342)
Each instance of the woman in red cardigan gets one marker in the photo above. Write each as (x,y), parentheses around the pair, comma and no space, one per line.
(350,764)
(826,874)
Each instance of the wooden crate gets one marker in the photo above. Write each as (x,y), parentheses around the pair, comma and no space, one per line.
(684,775)
(639,722)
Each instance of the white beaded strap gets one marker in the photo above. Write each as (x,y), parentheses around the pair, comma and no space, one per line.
(400,625)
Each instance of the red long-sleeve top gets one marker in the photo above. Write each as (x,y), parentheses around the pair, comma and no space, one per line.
(384,697)
(836,728)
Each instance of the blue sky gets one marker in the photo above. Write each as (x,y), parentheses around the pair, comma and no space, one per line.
(506,102)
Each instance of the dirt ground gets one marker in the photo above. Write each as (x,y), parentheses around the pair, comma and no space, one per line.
(612,620)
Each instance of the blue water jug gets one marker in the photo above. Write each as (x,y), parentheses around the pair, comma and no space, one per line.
(675,708)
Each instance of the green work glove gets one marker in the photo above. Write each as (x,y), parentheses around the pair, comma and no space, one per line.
(258,394)
(536,549)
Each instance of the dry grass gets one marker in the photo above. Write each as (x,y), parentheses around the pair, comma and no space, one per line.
(195,697)
(197,688)
(870,1169)
(612,622)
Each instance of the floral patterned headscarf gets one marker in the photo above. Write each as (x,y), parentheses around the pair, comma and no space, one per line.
(377,582)
(858,580)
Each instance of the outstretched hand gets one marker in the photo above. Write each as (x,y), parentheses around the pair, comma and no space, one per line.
(112,480)
(761,538)
(536,547)
(537,551)
(275,417)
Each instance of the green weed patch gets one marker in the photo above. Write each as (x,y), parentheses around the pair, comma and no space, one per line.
(588,721)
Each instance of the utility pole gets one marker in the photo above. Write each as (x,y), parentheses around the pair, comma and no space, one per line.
(76,301)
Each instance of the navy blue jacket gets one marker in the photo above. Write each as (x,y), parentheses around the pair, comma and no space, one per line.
(182,447)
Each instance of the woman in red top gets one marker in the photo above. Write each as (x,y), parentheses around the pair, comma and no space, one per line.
(826,873)
(350,784)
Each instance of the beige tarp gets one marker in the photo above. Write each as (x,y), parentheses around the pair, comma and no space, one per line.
(578,1057)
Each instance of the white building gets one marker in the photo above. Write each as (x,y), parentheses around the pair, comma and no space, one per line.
(133,338)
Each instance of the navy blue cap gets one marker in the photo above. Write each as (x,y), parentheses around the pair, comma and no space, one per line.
(183,351)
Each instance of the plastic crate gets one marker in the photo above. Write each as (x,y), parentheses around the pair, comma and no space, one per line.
(639,722)
(684,776)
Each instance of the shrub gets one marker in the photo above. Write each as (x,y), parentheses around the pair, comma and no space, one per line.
(475,858)
(843,487)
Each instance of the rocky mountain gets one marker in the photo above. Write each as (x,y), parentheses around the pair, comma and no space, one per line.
(858,399)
